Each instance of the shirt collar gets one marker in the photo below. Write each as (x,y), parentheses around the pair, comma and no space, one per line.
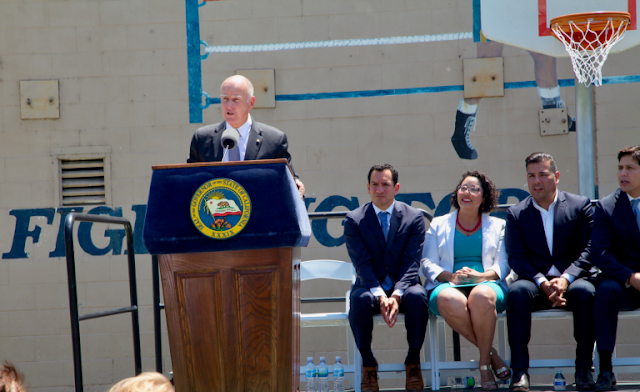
(631,198)
(244,128)
(551,206)
(389,210)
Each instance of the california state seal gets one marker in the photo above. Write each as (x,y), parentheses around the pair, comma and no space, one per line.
(220,208)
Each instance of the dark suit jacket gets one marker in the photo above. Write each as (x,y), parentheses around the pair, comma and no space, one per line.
(374,258)
(615,241)
(527,245)
(265,142)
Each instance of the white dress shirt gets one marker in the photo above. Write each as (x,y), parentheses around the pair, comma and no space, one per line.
(244,138)
(547,222)
(379,291)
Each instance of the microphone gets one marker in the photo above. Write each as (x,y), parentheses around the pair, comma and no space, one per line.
(229,140)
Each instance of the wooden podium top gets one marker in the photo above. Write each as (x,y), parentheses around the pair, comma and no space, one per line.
(234,163)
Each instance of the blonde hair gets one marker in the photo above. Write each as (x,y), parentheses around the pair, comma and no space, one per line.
(11,379)
(144,382)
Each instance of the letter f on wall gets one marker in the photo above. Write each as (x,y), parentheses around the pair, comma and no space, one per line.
(22,231)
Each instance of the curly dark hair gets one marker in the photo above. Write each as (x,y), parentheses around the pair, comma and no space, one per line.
(489,192)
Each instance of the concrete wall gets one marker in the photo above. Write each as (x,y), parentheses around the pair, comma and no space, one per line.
(123,73)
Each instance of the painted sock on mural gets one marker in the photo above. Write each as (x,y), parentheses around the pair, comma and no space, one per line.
(467,108)
(550,97)
(465,123)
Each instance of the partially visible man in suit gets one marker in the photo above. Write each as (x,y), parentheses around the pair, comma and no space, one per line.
(256,140)
(384,240)
(615,248)
(547,237)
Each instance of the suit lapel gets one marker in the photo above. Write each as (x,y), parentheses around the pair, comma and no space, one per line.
(537,228)
(627,215)
(254,143)
(218,151)
(558,216)
(374,225)
(394,225)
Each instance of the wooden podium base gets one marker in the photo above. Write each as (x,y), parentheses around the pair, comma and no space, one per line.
(233,319)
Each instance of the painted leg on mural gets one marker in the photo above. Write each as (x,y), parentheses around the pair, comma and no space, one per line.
(547,81)
(467,108)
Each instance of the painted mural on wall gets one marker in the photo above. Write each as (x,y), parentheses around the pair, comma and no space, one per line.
(116,237)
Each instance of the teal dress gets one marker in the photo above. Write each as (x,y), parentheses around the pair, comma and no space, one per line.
(467,252)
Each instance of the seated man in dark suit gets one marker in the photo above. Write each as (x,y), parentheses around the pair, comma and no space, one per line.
(615,248)
(547,239)
(384,240)
(256,140)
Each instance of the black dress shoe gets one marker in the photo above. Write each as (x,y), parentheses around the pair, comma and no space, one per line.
(520,382)
(606,381)
(584,380)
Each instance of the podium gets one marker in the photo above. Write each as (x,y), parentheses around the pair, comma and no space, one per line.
(228,238)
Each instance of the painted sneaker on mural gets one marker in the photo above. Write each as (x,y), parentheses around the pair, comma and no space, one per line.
(465,123)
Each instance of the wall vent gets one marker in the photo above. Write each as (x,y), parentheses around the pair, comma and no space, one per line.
(82,181)
(82,175)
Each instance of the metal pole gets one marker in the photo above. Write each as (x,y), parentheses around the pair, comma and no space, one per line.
(157,333)
(584,131)
(73,301)
(133,295)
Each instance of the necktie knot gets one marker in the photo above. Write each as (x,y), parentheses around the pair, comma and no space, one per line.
(384,223)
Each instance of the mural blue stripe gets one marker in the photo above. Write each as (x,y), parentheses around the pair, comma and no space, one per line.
(621,79)
(477,21)
(367,93)
(427,90)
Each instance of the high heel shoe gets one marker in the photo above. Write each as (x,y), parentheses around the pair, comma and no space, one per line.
(504,373)
(488,385)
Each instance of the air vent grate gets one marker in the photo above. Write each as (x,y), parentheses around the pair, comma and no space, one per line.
(83,181)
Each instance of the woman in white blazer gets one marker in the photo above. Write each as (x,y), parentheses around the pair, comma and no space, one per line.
(465,262)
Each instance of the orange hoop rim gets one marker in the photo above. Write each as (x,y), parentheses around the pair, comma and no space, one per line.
(598,20)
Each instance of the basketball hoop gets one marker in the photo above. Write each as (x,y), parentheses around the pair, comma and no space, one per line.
(588,38)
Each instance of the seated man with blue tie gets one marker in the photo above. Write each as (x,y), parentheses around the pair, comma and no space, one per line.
(384,239)
(615,248)
(256,140)
(547,237)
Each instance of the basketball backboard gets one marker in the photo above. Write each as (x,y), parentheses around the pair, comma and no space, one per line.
(525,23)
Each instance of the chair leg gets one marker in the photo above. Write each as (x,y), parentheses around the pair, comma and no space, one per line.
(433,342)
(502,339)
(357,369)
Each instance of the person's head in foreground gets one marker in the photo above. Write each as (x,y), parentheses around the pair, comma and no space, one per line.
(629,170)
(144,382)
(11,380)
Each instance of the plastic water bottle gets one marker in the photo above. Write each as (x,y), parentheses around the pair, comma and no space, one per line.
(338,376)
(310,375)
(559,383)
(323,376)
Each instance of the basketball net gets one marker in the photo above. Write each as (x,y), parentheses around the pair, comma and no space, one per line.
(589,47)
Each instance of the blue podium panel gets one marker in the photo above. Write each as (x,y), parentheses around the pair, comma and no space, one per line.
(278,215)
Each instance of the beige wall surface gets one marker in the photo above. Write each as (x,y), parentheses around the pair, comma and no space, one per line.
(123,80)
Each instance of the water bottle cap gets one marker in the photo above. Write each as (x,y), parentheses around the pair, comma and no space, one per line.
(338,358)
(310,359)
(321,358)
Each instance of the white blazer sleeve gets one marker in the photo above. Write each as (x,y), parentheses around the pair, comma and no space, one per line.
(431,263)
